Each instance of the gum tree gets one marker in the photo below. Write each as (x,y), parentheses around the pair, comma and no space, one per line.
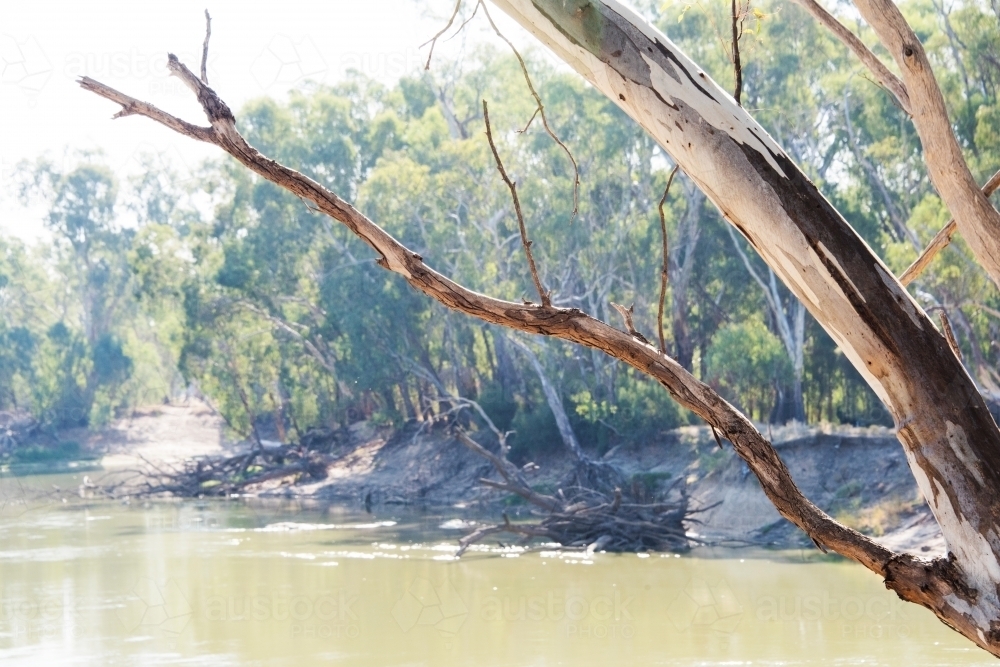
(949,436)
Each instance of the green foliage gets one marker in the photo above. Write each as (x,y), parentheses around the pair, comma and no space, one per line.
(64,451)
(284,320)
(748,362)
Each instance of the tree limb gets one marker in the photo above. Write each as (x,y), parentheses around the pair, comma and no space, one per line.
(204,48)
(542,293)
(886,78)
(941,239)
(665,271)
(976,218)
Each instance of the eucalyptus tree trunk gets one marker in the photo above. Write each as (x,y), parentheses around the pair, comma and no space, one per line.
(950,439)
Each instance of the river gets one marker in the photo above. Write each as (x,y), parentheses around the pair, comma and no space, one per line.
(244,582)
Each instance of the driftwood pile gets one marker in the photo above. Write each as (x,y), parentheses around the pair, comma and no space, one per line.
(595,516)
(232,474)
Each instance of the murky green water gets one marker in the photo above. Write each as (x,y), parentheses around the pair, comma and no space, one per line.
(227,583)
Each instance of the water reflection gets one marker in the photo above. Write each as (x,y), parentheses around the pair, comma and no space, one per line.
(219,583)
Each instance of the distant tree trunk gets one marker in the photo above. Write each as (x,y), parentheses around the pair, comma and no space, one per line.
(404,391)
(790,323)
(554,399)
(682,254)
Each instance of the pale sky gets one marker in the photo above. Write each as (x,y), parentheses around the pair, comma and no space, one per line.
(256,50)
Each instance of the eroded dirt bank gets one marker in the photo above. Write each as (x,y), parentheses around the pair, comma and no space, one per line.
(858,475)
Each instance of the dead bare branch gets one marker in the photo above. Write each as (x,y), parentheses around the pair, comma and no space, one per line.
(543,295)
(540,111)
(975,216)
(914,579)
(204,48)
(737,66)
(626,314)
(433,40)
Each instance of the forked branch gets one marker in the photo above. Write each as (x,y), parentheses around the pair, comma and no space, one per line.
(542,294)
(974,215)
(882,74)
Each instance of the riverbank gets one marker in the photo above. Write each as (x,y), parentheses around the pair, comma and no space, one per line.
(858,475)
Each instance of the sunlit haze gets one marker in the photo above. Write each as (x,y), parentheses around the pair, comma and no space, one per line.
(45,46)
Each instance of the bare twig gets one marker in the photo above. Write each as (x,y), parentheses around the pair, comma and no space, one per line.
(433,40)
(626,314)
(942,239)
(546,301)
(665,271)
(540,111)
(946,329)
(737,67)
(204,48)
(885,78)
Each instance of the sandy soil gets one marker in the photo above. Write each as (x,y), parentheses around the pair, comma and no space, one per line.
(161,434)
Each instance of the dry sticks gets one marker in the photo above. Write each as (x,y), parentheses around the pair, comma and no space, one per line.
(543,295)
(585,517)
(539,107)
